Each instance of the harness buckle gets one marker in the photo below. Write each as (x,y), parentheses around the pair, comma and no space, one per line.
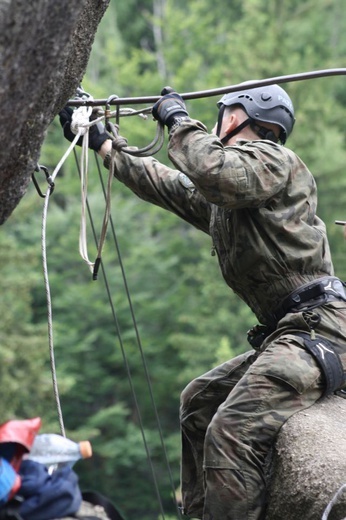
(310,295)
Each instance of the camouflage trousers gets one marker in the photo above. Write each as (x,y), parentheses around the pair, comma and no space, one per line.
(231,415)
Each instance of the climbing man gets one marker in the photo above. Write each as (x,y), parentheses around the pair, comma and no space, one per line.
(257,200)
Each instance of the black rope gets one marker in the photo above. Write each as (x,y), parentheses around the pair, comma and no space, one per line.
(125,360)
(153,147)
(139,342)
(301,76)
(120,143)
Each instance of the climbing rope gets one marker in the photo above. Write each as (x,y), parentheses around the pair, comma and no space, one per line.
(86,100)
(139,343)
(152,148)
(289,78)
(120,144)
(49,191)
(80,125)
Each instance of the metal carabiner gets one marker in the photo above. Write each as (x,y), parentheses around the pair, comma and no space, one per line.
(81,94)
(49,180)
(108,110)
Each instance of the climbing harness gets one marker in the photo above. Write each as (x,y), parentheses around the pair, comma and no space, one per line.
(325,354)
(309,296)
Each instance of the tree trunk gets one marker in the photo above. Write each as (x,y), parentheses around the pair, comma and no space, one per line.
(44,50)
(309,464)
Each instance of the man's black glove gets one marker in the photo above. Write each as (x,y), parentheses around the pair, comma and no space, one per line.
(169,108)
(97,133)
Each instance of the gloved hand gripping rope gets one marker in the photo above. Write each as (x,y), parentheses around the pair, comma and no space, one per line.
(93,134)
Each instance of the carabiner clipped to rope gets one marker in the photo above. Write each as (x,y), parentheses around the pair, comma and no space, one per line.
(151,149)
(108,111)
(49,180)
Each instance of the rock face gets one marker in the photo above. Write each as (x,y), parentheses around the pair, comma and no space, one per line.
(309,464)
(44,50)
(88,510)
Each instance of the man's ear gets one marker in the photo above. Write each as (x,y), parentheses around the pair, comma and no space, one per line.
(232,123)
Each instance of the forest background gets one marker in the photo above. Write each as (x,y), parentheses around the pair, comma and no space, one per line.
(125,349)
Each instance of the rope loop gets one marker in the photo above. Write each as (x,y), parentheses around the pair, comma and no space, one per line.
(153,147)
(119,143)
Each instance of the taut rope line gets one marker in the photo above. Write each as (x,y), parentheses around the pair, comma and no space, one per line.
(301,76)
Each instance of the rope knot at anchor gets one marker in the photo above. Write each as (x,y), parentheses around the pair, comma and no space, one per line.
(80,120)
(118,142)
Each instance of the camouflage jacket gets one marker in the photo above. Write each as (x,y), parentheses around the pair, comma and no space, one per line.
(256,199)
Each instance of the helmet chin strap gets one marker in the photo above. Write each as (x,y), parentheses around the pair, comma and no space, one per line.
(235,131)
(261,131)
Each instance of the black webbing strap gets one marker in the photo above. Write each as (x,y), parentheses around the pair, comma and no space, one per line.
(298,297)
(236,131)
(328,359)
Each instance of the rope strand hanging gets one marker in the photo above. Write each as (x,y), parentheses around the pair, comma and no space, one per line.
(139,343)
(81,123)
(50,180)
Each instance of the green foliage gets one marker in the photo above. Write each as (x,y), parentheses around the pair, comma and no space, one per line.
(24,358)
(125,345)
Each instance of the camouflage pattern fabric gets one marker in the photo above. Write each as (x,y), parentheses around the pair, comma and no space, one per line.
(257,200)
(231,415)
